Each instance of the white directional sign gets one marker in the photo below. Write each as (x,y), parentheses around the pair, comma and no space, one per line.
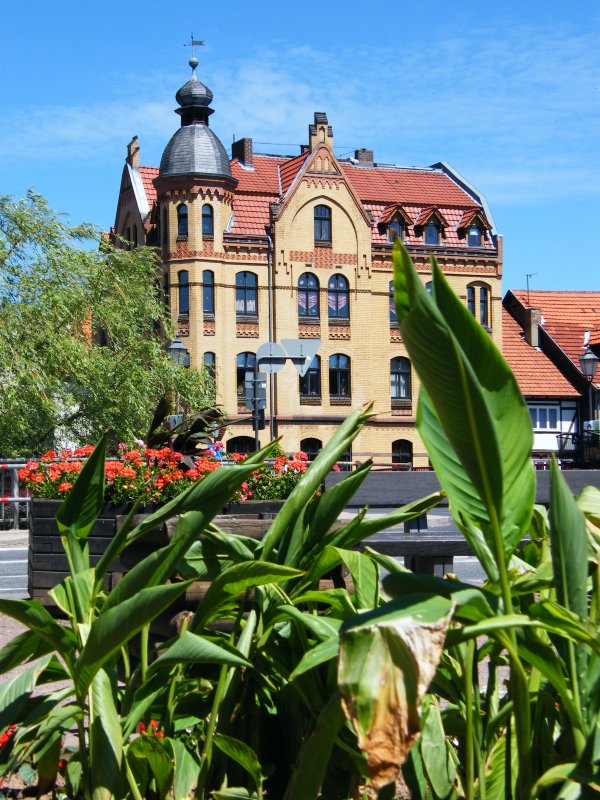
(301,352)
(270,357)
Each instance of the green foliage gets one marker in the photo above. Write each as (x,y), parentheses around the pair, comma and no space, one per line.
(513,707)
(80,350)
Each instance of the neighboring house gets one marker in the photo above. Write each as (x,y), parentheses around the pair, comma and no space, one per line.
(266,247)
(556,327)
(552,401)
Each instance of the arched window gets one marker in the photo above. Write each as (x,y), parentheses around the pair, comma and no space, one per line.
(312,447)
(308,295)
(393,317)
(246,294)
(339,377)
(337,298)
(240,444)
(182,220)
(310,382)
(322,224)
(164,234)
(134,236)
(478,303)
(428,286)
(183,282)
(432,232)
(474,235)
(207,220)
(208,292)
(402,452)
(245,362)
(400,379)
(395,230)
(210,362)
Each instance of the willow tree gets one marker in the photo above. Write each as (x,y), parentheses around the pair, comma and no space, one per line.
(82,334)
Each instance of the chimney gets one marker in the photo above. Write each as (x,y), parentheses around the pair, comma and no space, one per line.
(364,156)
(242,150)
(533,318)
(133,153)
(304,148)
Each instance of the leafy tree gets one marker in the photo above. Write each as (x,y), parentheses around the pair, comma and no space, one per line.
(82,334)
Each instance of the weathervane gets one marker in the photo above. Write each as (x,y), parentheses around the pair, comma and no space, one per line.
(194,43)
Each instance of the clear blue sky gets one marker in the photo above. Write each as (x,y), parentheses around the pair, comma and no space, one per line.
(507,92)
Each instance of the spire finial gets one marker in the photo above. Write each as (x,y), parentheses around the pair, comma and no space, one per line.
(193,62)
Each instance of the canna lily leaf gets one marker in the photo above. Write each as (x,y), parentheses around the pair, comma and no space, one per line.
(471,402)
(319,654)
(388,658)
(15,693)
(192,649)
(243,755)
(106,744)
(77,514)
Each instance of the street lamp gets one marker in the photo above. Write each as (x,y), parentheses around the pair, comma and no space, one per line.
(589,365)
(179,353)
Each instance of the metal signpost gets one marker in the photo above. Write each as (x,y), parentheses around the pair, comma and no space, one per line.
(256,400)
(271,357)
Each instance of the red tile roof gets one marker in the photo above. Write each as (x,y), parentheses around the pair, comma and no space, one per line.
(148,174)
(470,215)
(566,316)
(535,373)
(428,212)
(414,189)
(405,185)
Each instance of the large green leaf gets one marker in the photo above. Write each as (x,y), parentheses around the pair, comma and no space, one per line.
(106,745)
(435,751)
(243,755)
(77,514)
(186,770)
(189,648)
(313,478)
(365,575)
(27,646)
(472,604)
(148,756)
(388,658)
(33,614)
(313,758)
(14,693)
(319,654)
(472,401)
(234,581)
(113,628)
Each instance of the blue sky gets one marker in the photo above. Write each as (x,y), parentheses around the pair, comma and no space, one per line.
(508,93)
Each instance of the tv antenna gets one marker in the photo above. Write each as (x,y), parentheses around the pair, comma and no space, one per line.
(529,275)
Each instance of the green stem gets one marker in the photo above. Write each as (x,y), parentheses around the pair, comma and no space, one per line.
(518,675)
(470,728)
(144,634)
(132,782)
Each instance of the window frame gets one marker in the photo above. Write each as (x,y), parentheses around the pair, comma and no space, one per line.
(183,292)
(309,384)
(208,230)
(337,291)
(400,379)
(340,377)
(244,362)
(402,453)
(208,293)
(392,304)
(548,411)
(313,449)
(182,221)
(306,292)
(477,227)
(322,224)
(479,303)
(396,225)
(432,223)
(246,293)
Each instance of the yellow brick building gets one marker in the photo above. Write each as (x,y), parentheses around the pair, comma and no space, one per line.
(259,248)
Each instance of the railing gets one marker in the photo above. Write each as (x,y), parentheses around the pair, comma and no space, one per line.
(580,449)
(14,502)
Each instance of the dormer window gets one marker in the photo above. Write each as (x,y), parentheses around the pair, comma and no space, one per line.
(431,233)
(474,236)
(395,230)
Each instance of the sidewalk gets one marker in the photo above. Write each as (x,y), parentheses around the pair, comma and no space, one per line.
(13,538)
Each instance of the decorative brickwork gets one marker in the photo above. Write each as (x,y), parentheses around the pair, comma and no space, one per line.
(324,257)
(339,332)
(209,327)
(310,400)
(246,330)
(183,325)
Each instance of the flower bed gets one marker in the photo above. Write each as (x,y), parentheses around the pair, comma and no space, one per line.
(155,476)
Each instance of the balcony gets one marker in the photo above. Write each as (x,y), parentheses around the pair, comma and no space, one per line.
(580,449)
